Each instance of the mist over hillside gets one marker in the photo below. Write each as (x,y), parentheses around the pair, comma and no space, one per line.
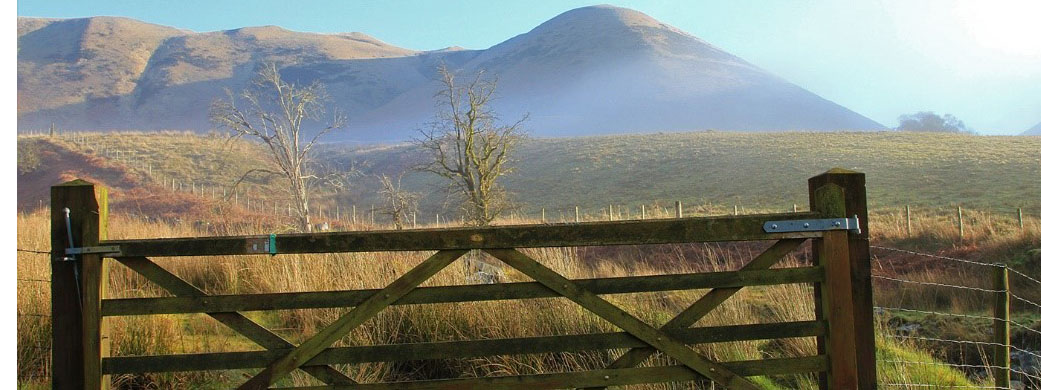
(1036,130)
(592,70)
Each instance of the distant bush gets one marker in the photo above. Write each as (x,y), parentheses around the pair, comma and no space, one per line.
(928,121)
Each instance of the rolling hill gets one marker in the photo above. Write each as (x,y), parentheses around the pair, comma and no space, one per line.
(592,70)
(1036,130)
(709,171)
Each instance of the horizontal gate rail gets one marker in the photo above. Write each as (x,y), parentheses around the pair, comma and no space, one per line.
(609,377)
(641,232)
(838,275)
(450,294)
(457,349)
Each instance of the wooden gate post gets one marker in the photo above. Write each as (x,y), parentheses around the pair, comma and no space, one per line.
(855,204)
(79,336)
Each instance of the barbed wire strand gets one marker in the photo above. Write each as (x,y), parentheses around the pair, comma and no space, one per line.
(935,256)
(957,365)
(1026,374)
(1024,327)
(990,343)
(1024,351)
(935,284)
(1013,270)
(1024,300)
(937,313)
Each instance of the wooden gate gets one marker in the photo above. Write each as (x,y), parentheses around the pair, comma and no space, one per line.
(840,275)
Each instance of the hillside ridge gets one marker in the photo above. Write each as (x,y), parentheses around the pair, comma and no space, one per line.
(591,70)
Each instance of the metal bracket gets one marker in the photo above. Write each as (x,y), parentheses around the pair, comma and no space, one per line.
(813,225)
(262,245)
(104,249)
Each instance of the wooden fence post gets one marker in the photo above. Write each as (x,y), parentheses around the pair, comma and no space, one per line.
(679,209)
(961,226)
(854,203)
(79,334)
(907,215)
(1019,212)
(1002,371)
(577,219)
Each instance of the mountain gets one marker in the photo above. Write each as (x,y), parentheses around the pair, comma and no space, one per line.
(592,70)
(1036,130)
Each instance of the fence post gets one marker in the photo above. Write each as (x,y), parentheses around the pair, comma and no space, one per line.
(577,219)
(79,333)
(961,227)
(1002,372)
(853,203)
(907,215)
(1019,212)
(679,209)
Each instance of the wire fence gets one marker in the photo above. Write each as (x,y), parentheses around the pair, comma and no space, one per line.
(1025,365)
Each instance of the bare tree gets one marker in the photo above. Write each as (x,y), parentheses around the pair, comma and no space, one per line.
(397,203)
(276,112)
(469,147)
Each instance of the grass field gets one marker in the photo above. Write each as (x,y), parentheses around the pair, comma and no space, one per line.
(710,172)
(164,334)
(755,170)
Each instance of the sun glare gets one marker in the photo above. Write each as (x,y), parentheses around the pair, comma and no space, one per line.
(1008,26)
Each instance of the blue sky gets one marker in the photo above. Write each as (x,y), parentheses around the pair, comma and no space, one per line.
(979,60)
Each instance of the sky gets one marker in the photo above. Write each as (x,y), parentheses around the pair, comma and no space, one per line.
(979,60)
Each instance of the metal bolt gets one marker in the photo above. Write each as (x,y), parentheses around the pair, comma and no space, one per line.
(712,369)
(607,377)
(806,225)
(837,223)
(774,226)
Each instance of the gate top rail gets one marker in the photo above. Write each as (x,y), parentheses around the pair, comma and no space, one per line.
(636,232)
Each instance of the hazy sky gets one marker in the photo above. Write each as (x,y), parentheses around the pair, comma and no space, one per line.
(977,59)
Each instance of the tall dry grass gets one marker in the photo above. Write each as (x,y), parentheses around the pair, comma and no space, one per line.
(166,334)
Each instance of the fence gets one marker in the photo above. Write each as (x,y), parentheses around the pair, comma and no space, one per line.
(1027,375)
(839,275)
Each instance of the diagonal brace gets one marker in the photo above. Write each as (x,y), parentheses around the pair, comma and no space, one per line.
(354,318)
(620,318)
(708,302)
(236,321)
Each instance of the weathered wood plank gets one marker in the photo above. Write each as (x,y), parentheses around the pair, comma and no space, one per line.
(354,318)
(855,202)
(78,287)
(608,377)
(457,349)
(237,322)
(620,318)
(837,294)
(448,294)
(709,301)
(664,231)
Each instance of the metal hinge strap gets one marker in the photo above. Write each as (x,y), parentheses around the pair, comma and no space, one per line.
(813,225)
(104,249)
